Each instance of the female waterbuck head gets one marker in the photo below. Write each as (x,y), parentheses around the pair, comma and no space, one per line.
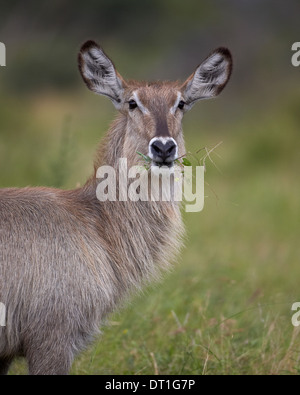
(153,111)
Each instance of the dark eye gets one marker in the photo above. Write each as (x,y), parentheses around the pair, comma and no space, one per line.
(181,105)
(132,104)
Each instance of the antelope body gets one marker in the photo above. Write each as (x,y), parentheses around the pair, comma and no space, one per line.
(67,259)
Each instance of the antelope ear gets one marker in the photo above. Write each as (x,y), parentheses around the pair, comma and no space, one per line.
(210,77)
(99,73)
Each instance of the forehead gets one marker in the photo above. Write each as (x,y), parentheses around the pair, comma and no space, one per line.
(152,95)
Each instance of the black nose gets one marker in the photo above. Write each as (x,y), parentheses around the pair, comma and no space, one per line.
(163,152)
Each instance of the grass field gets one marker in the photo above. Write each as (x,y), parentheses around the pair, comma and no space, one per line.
(226,307)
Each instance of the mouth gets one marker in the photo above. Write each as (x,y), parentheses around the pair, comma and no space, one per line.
(169,164)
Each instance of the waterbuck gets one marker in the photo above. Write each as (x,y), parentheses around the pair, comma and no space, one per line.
(67,259)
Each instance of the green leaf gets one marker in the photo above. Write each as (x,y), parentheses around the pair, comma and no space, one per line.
(186,162)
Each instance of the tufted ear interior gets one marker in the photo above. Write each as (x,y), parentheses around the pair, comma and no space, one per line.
(210,77)
(99,73)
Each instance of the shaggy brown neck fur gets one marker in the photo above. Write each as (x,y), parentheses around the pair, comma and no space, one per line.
(111,146)
(141,237)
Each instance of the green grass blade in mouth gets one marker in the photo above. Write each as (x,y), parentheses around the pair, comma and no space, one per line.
(146,158)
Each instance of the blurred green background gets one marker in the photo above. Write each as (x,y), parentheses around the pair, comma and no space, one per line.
(226,308)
